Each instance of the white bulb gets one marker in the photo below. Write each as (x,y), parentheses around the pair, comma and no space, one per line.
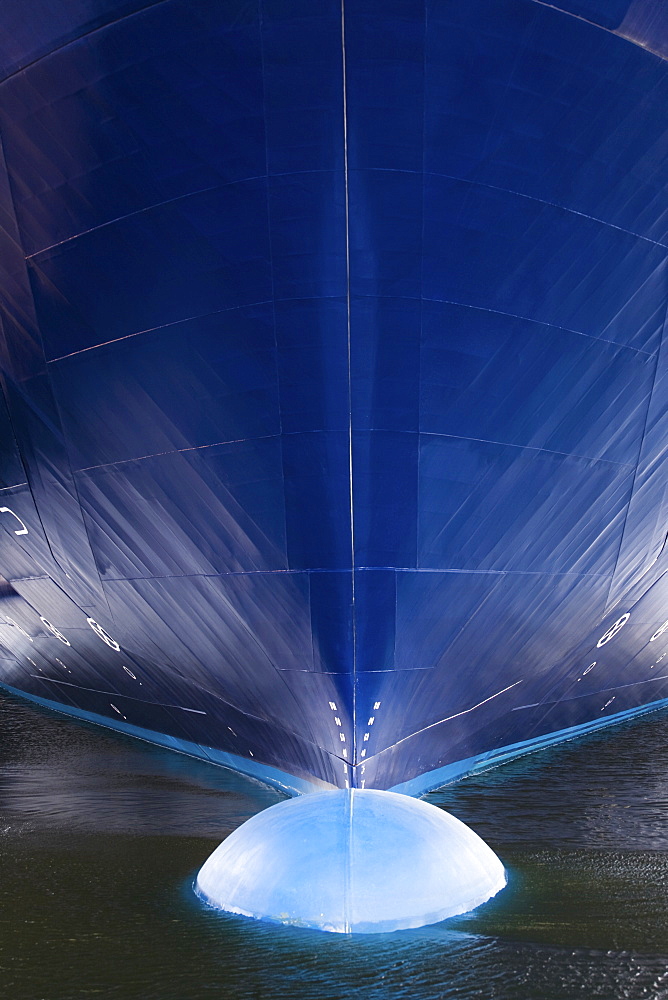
(356,860)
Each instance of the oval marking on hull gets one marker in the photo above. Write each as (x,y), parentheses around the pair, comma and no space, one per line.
(613,630)
(101,634)
(54,631)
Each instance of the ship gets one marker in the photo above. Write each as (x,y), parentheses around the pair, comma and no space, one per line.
(334,377)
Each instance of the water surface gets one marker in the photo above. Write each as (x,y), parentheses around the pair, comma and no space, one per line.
(101,836)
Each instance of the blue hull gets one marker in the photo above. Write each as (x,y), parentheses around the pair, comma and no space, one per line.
(334,378)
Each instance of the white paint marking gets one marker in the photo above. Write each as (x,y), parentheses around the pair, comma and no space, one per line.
(23,530)
(54,631)
(104,636)
(659,631)
(16,625)
(613,630)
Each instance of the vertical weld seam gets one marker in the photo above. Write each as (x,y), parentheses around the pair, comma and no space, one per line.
(348,864)
(350,394)
(271,263)
(421,333)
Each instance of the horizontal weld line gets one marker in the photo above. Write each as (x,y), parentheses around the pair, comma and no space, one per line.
(540,322)
(201,447)
(215,444)
(600,27)
(493,572)
(357,297)
(128,215)
(206,692)
(115,694)
(161,326)
(517,194)
(79,38)
(171,201)
(419,433)
(191,319)
(346,570)
(549,204)
(599,693)
(174,451)
(215,576)
(527,447)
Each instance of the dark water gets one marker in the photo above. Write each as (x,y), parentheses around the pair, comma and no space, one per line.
(101,835)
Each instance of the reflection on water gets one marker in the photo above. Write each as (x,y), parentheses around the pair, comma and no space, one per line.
(101,835)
